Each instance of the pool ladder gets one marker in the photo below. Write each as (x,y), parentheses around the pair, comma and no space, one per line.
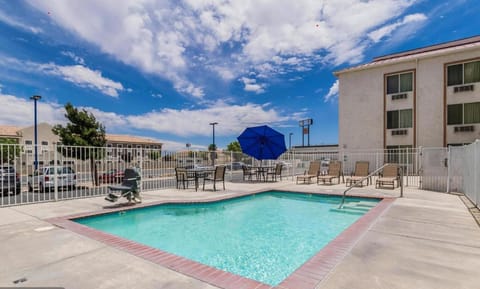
(355,184)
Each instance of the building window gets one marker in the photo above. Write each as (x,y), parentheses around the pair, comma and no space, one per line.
(400,83)
(455,114)
(399,119)
(463,113)
(463,73)
(44,143)
(28,142)
(471,113)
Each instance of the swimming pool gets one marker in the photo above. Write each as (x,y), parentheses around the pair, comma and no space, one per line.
(264,236)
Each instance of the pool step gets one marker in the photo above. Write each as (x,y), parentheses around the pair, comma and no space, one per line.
(367,204)
(355,208)
(347,211)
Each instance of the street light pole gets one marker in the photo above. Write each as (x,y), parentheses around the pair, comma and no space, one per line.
(213,124)
(214,146)
(35,98)
(290,140)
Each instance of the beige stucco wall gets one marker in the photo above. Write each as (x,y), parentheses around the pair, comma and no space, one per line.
(44,133)
(361,104)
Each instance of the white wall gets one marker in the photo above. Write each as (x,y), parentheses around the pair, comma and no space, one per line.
(361,103)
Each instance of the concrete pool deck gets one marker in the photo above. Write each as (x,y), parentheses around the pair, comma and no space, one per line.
(424,240)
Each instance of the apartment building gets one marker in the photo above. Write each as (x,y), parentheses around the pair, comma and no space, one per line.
(423,97)
(118,146)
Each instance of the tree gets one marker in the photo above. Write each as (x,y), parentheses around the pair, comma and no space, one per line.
(9,150)
(234,146)
(212,147)
(83,130)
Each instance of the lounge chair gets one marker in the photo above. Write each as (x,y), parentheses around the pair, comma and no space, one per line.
(358,177)
(313,172)
(276,172)
(334,172)
(388,177)
(128,189)
(183,177)
(248,172)
(218,176)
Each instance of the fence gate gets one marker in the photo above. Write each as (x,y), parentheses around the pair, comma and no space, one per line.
(434,169)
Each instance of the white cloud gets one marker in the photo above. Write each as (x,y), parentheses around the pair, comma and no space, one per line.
(232,119)
(332,93)
(168,38)
(85,77)
(77,74)
(19,111)
(387,30)
(16,23)
(75,58)
(251,84)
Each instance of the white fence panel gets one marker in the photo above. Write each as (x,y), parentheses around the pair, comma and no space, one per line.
(96,168)
(472,172)
(433,168)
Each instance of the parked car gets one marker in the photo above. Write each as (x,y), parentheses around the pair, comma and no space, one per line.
(235,166)
(9,180)
(111,177)
(43,179)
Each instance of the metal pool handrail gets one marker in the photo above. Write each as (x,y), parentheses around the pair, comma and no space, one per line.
(354,184)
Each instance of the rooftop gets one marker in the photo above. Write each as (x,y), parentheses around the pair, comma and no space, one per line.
(130,139)
(9,131)
(419,53)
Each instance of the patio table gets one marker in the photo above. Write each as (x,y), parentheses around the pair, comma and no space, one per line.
(199,173)
(262,171)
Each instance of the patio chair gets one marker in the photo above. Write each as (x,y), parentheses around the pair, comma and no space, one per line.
(334,172)
(313,172)
(276,172)
(388,177)
(357,178)
(183,177)
(248,172)
(218,176)
(129,188)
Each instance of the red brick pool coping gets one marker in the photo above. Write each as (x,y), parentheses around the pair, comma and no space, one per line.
(307,276)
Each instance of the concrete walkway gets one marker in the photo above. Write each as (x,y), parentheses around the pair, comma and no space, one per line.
(425,240)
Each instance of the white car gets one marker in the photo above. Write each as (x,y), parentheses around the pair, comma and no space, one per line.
(44,180)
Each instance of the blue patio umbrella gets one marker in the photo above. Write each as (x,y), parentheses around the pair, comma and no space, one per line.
(262,142)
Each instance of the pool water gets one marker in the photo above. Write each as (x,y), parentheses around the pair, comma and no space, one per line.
(264,237)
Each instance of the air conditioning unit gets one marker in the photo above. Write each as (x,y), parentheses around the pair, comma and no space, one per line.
(400,132)
(463,88)
(465,128)
(399,96)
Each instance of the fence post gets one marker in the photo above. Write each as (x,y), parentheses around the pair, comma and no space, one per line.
(141,168)
(55,164)
(292,161)
(419,167)
(231,165)
(401,182)
(475,172)
(449,172)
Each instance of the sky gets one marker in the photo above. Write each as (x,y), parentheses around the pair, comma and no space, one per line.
(167,69)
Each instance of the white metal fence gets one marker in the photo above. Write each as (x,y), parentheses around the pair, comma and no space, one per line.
(67,172)
(471,172)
